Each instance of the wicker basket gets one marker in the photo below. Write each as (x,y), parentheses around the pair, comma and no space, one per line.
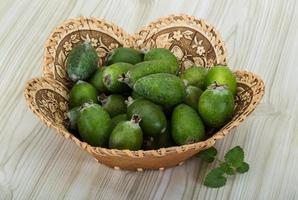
(193,41)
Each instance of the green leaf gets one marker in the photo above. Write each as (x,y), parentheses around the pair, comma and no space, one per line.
(208,155)
(235,156)
(215,178)
(227,168)
(244,167)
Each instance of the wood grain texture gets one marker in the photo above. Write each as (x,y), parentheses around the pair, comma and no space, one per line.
(261,36)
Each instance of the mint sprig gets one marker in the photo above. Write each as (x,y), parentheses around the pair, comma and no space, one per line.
(244,167)
(227,168)
(233,163)
(235,156)
(216,178)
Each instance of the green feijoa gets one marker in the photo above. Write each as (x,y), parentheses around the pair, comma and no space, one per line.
(80,93)
(161,54)
(114,104)
(118,118)
(153,121)
(81,62)
(194,76)
(97,80)
(94,125)
(187,126)
(161,88)
(216,105)
(221,75)
(126,55)
(127,135)
(112,76)
(149,67)
(192,96)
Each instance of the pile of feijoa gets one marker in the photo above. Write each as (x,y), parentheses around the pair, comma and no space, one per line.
(141,100)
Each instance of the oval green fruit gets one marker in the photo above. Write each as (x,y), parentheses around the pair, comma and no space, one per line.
(153,121)
(126,55)
(216,106)
(195,76)
(114,104)
(149,67)
(221,75)
(97,80)
(127,135)
(112,74)
(94,125)
(161,88)
(162,54)
(82,92)
(192,96)
(81,62)
(187,126)
(118,119)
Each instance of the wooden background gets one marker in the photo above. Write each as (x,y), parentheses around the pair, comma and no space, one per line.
(261,36)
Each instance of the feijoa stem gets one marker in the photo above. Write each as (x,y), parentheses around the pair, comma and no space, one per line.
(102,98)
(135,119)
(216,85)
(129,101)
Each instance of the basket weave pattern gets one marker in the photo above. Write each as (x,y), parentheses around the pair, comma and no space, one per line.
(193,41)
